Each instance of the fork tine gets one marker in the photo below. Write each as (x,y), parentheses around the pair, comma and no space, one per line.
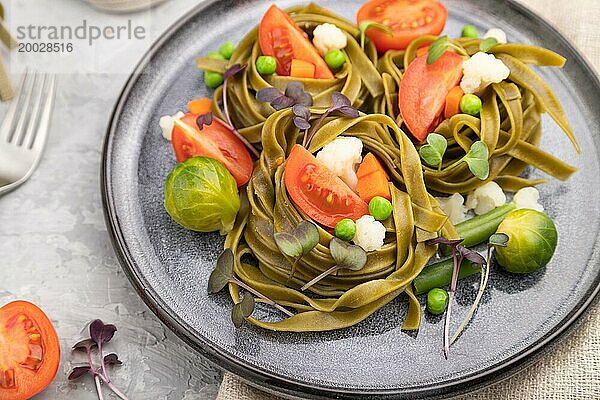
(38,97)
(24,112)
(9,118)
(44,124)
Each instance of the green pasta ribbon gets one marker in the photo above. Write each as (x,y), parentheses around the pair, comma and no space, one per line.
(341,300)
(358,80)
(509,122)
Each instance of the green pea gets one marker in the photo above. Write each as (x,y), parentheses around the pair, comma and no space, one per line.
(345,229)
(470,104)
(335,59)
(227,50)
(266,65)
(437,300)
(469,31)
(215,55)
(213,79)
(380,208)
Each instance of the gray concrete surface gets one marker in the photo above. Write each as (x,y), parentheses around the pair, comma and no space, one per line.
(54,247)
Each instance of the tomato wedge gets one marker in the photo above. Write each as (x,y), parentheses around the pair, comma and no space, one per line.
(318,192)
(423,91)
(215,141)
(29,351)
(408,19)
(280,37)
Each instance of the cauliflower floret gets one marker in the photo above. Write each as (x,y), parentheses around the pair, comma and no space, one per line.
(497,34)
(453,207)
(369,233)
(167,122)
(528,197)
(486,198)
(342,157)
(327,37)
(481,70)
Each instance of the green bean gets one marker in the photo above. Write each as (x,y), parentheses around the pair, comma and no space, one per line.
(440,274)
(479,229)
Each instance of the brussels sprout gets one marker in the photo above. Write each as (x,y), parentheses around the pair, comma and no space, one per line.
(532,239)
(201,195)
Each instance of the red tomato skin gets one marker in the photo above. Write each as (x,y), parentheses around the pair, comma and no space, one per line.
(30,382)
(393,13)
(423,92)
(282,38)
(309,183)
(215,141)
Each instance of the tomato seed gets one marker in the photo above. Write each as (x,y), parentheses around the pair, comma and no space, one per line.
(7,379)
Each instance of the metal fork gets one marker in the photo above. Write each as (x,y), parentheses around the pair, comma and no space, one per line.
(24,131)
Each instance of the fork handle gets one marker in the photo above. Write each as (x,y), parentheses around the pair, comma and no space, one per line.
(7,92)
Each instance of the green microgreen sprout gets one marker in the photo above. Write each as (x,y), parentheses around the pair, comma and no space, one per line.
(487,44)
(433,152)
(365,25)
(477,160)
(242,310)
(459,254)
(498,239)
(223,275)
(345,255)
(439,46)
(298,243)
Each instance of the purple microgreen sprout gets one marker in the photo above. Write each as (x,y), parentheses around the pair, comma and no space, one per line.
(297,243)
(294,95)
(301,117)
(232,71)
(341,104)
(100,334)
(223,275)
(345,255)
(498,239)
(459,254)
(204,119)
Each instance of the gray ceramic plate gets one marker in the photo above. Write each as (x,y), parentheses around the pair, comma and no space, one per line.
(169,266)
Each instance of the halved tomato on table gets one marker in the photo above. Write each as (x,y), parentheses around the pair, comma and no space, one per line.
(29,351)
(280,37)
(423,91)
(318,192)
(408,19)
(215,141)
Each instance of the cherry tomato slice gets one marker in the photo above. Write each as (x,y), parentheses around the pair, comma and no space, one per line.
(215,141)
(29,351)
(423,91)
(280,37)
(318,192)
(408,19)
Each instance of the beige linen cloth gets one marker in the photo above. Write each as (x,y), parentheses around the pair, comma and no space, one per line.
(572,369)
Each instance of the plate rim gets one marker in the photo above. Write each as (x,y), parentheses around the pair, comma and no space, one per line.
(275,382)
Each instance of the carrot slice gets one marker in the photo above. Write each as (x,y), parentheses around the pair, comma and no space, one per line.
(453,102)
(200,106)
(302,69)
(373,180)
(422,51)
(369,164)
